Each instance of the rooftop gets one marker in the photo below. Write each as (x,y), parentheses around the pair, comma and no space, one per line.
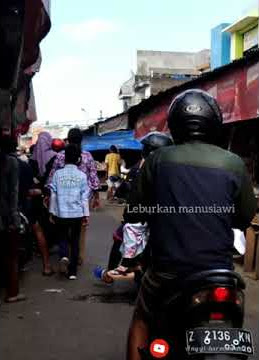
(170,61)
(127,88)
(241,24)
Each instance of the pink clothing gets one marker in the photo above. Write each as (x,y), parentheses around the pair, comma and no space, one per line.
(87,166)
(43,152)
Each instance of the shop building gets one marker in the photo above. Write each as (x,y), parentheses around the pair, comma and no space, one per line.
(160,70)
(244,35)
(220,46)
(236,88)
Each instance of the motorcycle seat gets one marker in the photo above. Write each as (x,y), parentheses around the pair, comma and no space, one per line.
(219,277)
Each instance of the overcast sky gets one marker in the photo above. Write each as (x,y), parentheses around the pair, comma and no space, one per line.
(92,45)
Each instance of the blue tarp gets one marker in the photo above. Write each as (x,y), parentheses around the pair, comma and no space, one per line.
(124,140)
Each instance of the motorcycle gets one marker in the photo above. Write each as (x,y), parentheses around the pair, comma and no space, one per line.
(206,323)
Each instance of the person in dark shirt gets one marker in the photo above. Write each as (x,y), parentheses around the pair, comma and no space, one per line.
(192,194)
(9,220)
(30,204)
(25,182)
(25,173)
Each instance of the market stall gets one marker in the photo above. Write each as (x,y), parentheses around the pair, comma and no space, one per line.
(129,147)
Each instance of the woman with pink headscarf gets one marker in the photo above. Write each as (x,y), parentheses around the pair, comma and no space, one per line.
(43,152)
(43,156)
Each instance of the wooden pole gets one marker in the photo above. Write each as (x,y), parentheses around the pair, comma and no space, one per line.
(250,250)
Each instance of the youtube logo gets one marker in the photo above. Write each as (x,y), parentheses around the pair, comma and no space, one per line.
(159,349)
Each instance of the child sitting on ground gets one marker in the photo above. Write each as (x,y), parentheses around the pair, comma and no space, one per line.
(132,239)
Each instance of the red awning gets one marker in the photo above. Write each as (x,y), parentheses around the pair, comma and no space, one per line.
(236,89)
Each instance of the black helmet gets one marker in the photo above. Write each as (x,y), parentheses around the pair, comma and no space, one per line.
(195,115)
(153,141)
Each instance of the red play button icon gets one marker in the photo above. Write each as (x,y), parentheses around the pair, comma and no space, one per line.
(159,349)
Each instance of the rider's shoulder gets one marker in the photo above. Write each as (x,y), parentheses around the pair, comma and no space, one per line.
(230,160)
(163,151)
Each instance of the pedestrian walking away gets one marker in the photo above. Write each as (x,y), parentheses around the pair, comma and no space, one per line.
(113,161)
(69,208)
(86,165)
(41,160)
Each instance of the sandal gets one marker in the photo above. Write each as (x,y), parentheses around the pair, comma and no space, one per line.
(15,299)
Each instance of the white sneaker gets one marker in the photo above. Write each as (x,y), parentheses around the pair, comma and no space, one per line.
(63,265)
(72,277)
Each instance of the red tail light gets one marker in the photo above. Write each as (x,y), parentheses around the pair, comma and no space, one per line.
(221,294)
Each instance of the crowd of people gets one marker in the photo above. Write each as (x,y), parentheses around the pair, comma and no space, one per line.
(49,191)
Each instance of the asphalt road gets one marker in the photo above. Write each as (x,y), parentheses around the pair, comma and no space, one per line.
(81,320)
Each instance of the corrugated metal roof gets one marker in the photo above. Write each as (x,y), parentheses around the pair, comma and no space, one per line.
(111,118)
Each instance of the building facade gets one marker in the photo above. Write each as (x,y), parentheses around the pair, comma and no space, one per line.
(235,86)
(220,46)
(158,71)
(230,42)
(244,35)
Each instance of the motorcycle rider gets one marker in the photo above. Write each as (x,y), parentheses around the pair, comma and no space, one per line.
(151,142)
(199,192)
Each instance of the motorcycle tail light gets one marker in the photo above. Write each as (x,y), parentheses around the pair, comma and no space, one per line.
(221,294)
(218,295)
(217,316)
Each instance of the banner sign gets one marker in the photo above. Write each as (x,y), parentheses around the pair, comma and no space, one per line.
(237,93)
(154,121)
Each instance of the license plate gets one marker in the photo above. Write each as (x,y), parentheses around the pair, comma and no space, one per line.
(224,341)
